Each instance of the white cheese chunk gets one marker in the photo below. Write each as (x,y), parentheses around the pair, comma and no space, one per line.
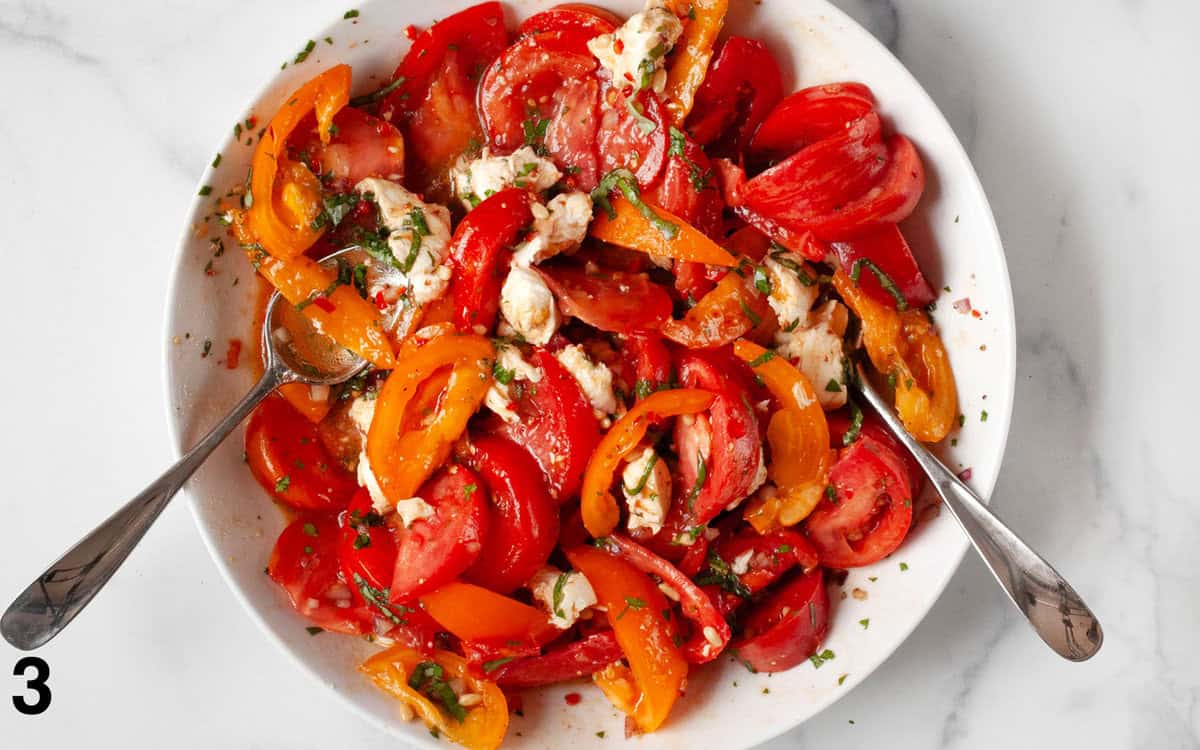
(419,239)
(475,180)
(528,306)
(367,479)
(649,478)
(564,595)
(790,297)
(594,377)
(815,348)
(741,564)
(635,53)
(499,397)
(362,413)
(558,226)
(412,510)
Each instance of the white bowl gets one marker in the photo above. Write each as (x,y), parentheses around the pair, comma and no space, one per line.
(953,234)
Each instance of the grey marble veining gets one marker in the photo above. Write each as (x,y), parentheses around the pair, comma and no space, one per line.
(1079,118)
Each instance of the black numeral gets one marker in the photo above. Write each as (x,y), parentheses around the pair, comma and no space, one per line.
(37,683)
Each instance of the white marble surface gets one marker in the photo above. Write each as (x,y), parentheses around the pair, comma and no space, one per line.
(1080,118)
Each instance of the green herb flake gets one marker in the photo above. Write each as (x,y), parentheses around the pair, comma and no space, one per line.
(378,94)
(903,566)
(350,14)
(314,630)
(842,678)
(379,599)
(362,541)
(983,416)
(763,358)
(720,573)
(819,659)
(884,280)
(430,679)
(303,54)
(560,583)
(503,375)
(494,664)
(641,483)
(701,476)
(761,281)
(309,529)
(865,622)
(856,423)
(833,386)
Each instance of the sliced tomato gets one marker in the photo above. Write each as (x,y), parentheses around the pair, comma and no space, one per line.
(523,517)
(555,424)
(871,510)
(888,252)
(367,548)
(787,627)
(765,557)
(435,105)
(873,427)
(820,178)
(633,134)
(287,457)
(571,17)
(688,187)
(361,146)
(890,201)
(436,550)
(305,563)
(571,133)
(810,115)
(417,630)
(613,301)
(650,361)
(478,252)
(568,662)
(742,86)
(735,449)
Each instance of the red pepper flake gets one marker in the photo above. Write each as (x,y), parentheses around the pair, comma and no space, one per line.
(324,303)
(232,353)
(251,122)
(380,302)
(619,46)
(572,699)
(976,313)
(411,32)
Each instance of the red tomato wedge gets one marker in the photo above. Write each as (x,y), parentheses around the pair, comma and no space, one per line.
(820,178)
(305,563)
(571,17)
(688,188)
(886,250)
(568,662)
(647,367)
(523,518)
(571,134)
(742,86)
(478,250)
(434,551)
(367,548)
(872,426)
(555,424)
(286,456)
(633,135)
(890,201)
(435,105)
(787,627)
(872,509)
(810,115)
(361,146)
(613,301)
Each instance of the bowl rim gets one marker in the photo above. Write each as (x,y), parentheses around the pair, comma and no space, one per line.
(972,184)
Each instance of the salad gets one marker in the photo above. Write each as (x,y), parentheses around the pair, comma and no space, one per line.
(614,286)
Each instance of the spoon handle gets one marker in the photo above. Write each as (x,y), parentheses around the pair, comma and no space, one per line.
(50,603)
(1052,607)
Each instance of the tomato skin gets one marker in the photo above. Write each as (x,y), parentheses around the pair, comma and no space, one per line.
(367,548)
(873,511)
(652,366)
(613,301)
(787,627)
(771,556)
(523,518)
(286,456)
(574,660)
(676,189)
(305,563)
(478,252)
(735,449)
(742,86)
(809,115)
(890,201)
(363,146)
(822,177)
(873,427)
(435,551)
(888,250)
(622,142)
(555,419)
(571,16)
(571,134)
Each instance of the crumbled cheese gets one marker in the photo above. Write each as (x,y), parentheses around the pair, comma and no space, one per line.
(362,413)
(499,397)
(424,273)
(412,510)
(594,377)
(475,180)
(790,298)
(649,504)
(815,348)
(575,594)
(558,226)
(741,564)
(636,52)
(528,306)
(367,479)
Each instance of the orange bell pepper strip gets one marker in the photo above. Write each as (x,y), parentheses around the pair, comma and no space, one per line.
(413,678)
(702,22)
(907,346)
(731,309)
(798,435)
(635,610)
(599,507)
(474,613)
(283,194)
(335,309)
(403,456)
(628,227)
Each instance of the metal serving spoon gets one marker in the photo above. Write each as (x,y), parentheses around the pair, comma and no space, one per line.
(1052,607)
(295,352)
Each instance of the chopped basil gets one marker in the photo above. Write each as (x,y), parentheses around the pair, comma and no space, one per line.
(494,664)
(281,485)
(646,125)
(378,598)
(678,142)
(642,388)
(378,94)
(819,659)
(842,678)
(721,574)
(350,14)
(701,475)
(216,162)
(631,602)
(313,630)
(534,129)
(754,318)
(470,490)
(761,282)
(430,679)
(885,281)
(865,622)
(983,416)
(206,190)
(856,423)
(559,584)
(833,386)
(303,54)
(503,375)
(362,541)
(623,180)
(309,529)
(903,566)
(781,257)
(641,483)
(763,358)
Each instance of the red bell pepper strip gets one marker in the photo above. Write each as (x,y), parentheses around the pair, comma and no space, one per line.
(477,252)
(787,627)
(577,659)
